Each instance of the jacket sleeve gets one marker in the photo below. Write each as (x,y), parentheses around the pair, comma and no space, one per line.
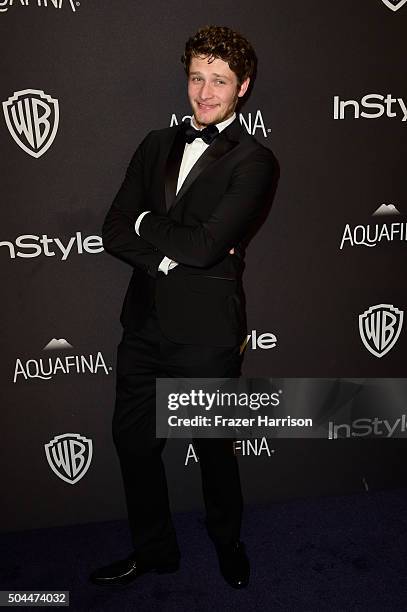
(118,233)
(201,245)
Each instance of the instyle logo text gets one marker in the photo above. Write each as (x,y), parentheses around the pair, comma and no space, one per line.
(371,106)
(29,246)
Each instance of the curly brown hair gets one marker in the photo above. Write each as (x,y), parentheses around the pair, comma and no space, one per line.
(222,42)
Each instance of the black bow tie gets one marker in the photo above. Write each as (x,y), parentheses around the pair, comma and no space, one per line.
(208,134)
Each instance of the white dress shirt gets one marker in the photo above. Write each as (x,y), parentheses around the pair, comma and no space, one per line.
(192,152)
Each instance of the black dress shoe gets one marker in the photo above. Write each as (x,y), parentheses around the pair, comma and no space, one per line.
(125,571)
(234,564)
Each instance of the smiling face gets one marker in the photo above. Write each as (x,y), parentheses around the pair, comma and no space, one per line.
(213,90)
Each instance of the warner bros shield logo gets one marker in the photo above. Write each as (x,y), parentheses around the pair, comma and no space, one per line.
(69,456)
(32,118)
(380,327)
(394,5)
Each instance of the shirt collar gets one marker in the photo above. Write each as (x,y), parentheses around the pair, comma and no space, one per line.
(221,126)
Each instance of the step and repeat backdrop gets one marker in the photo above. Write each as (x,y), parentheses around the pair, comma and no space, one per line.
(82,83)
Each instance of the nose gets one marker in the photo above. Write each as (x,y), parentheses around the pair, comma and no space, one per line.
(206,90)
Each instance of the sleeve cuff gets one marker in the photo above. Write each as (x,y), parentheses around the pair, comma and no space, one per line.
(166,265)
(138,221)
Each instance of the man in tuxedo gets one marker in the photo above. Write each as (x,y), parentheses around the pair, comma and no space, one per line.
(192,197)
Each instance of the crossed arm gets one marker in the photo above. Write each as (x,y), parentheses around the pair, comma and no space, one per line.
(199,245)
(203,244)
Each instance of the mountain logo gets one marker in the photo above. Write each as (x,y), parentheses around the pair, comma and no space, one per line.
(57,344)
(386,209)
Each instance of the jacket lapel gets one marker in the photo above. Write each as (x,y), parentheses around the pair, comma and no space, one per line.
(172,168)
(224,143)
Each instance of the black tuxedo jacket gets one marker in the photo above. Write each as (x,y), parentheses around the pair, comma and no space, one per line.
(225,195)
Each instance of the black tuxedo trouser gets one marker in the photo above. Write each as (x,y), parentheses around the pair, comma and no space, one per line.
(143,356)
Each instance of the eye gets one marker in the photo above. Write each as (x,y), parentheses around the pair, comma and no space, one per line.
(195,79)
(219,82)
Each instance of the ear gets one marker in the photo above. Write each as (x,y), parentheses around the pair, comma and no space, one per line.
(243,87)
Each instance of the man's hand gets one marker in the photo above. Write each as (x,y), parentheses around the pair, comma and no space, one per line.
(167,264)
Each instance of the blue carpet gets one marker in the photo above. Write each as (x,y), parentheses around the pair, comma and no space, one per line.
(336,553)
